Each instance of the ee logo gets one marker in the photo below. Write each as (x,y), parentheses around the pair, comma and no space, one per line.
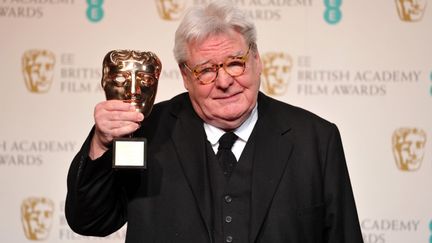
(94,11)
(430,91)
(332,14)
(430,228)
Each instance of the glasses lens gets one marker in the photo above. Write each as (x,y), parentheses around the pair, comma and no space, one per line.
(206,74)
(235,66)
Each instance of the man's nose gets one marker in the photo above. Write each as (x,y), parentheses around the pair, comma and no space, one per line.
(223,79)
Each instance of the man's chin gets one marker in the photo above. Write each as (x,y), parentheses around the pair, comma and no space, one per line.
(229,121)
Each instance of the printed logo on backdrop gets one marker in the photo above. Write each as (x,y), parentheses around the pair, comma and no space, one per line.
(75,78)
(26,9)
(37,217)
(95,12)
(332,13)
(170,9)
(408,148)
(41,71)
(430,231)
(411,10)
(261,10)
(430,78)
(21,153)
(382,230)
(66,234)
(276,73)
(67,75)
(308,80)
(38,70)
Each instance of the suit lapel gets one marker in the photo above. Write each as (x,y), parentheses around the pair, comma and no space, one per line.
(273,146)
(189,141)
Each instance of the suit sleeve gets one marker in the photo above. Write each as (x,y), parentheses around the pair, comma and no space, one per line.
(342,224)
(95,203)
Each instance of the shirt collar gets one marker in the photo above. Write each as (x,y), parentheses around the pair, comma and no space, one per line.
(243,132)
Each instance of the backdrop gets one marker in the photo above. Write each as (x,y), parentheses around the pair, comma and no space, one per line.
(364,65)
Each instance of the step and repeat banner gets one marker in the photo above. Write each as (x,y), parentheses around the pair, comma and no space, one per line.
(364,65)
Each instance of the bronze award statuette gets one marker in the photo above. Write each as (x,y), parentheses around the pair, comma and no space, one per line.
(131,76)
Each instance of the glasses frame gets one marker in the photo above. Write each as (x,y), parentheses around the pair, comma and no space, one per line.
(196,73)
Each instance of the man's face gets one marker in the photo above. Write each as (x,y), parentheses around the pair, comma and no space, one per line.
(132,80)
(227,102)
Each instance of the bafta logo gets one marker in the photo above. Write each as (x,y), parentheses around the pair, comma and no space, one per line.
(276,72)
(170,9)
(38,70)
(411,10)
(37,216)
(408,148)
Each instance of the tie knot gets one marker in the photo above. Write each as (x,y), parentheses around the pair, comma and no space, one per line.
(227,140)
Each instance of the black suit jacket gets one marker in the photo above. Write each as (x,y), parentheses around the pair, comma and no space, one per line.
(301,190)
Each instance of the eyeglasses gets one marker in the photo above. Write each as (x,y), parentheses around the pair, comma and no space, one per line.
(207,73)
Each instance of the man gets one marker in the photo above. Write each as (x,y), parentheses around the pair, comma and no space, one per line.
(290,183)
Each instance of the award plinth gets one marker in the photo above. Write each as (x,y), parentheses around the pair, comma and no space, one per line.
(130,153)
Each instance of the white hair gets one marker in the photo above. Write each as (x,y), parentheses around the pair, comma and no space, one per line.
(214,18)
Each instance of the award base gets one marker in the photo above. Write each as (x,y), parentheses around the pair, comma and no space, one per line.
(129,153)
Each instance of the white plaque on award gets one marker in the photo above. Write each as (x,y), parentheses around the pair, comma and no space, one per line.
(129,153)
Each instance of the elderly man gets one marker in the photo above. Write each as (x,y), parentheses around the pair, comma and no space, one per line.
(225,162)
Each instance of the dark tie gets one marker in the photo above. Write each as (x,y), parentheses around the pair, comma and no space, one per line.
(225,156)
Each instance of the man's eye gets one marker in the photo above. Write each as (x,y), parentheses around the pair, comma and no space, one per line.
(205,70)
(235,63)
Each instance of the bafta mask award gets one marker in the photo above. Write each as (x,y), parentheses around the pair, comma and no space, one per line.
(131,76)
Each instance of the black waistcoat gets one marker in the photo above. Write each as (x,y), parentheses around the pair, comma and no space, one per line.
(231,197)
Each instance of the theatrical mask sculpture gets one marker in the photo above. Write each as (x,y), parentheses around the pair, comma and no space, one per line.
(131,76)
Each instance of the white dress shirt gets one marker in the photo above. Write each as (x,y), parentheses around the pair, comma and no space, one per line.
(243,133)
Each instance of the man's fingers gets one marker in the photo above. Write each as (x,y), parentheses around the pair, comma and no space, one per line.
(109,126)
(132,116)
(115,118)
(115,105)
(124,129)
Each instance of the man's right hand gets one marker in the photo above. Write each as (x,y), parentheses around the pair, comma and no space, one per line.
(113,119)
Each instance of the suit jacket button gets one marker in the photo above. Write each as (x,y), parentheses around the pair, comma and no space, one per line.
(228,198)
(229,239)
(228,219)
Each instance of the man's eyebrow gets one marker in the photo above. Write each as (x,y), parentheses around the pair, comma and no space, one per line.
(236,54)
